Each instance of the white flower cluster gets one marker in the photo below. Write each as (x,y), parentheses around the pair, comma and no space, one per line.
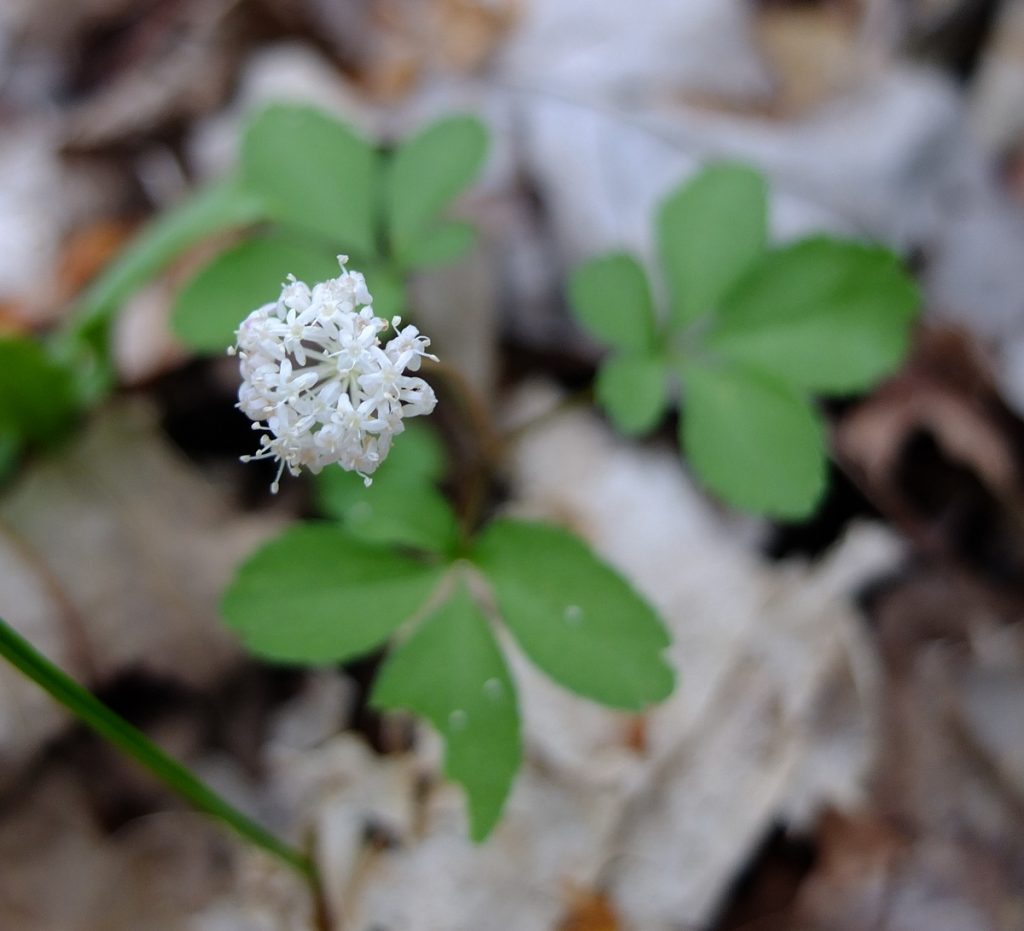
(318,381)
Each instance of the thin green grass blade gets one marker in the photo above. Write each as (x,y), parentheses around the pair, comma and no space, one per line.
(110,725)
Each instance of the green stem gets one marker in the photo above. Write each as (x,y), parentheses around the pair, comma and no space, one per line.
(110,725)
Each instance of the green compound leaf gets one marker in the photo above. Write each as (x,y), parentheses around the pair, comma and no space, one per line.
(37,399)
(445,243)
(210,307)
(404,515)
(402,506)
(451,671)
(574,616)
(316,594)
(822,314)
(612,299)
(709,233)
(633,389)
(427,172)
(314,173)
(755,441)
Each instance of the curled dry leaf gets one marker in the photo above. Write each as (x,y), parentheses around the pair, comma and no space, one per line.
(941,455)
(946,390)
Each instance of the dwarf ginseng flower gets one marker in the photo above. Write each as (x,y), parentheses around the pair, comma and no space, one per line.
(320,384)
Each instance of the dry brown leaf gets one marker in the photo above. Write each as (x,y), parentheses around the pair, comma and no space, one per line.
(871,877)
(87,250)
(589,911)
(939,453)
(946,390)
(937,777)
(14,319)
(416,37)
(923,779)
(471,29)
(401,42)
(814,52)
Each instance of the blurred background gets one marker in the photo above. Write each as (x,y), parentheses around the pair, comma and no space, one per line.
(846,746)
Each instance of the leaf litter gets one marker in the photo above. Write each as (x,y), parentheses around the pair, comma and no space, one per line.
(864,703)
